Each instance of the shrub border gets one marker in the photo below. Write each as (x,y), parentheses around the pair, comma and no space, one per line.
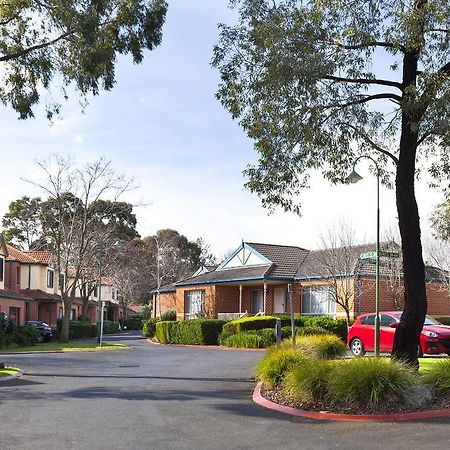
(324,415)
(216,347)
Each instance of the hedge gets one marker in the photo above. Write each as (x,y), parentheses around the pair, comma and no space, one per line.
(149,327)
(110,327)
(133,323)
(444,320)
(253,323)
(196,331)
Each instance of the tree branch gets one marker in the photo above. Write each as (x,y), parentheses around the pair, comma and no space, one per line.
(25,51)
(367,45)
(377,147)
(366,99)
(365,81)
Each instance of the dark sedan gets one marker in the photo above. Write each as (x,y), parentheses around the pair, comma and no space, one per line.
(45,331)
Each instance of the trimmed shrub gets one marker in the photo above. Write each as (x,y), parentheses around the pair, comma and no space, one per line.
(197,331)
(362,381)
(323,346)
(272,368)
(109,327)
(133,323)
(149,327)
(312,331)
(223,336)
(309,381)
(169,315)
(25,335)
(438,375)
(79,330)
(246,339)
(253,323)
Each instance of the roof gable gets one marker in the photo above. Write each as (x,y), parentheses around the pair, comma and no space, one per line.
(244,256)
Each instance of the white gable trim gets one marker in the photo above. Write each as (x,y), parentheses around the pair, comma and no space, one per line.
(244,256)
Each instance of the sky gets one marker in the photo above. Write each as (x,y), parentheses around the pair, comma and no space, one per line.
(162,125)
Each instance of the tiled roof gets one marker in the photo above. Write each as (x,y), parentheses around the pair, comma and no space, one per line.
(38,294)
(41,256)
(167,289)
(286,259)
(222,276)
(14,295)
(14,254)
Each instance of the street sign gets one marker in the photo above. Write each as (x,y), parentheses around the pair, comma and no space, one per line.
(370,255)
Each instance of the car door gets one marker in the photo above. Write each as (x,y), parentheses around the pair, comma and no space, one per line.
(366,333)
(387,333)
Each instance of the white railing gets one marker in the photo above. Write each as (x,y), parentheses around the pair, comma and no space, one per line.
(231,316)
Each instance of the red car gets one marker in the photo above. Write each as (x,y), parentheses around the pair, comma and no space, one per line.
(434,339)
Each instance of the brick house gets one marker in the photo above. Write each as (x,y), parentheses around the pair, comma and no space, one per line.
(260,278)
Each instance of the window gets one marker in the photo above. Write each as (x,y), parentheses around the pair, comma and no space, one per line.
(61,281)
(60,312)
(96,291)
(368,320)
(194,304)
(386,320)
(113,293)
(2,264)
(50,278)
(18,276)
(318,301)
(73,314)
(14,314)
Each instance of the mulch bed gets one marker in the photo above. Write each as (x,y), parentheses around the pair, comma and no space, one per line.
(276,395)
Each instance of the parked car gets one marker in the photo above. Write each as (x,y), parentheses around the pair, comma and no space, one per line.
(45,331)
(434,339)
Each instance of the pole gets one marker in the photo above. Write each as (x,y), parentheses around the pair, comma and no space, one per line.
(377,276)
(291,307)
(99,304)
(101,323)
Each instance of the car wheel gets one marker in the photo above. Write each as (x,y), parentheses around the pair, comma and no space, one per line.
(357,347)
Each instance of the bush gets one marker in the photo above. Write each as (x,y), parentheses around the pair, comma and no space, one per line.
(303,331)
(79,330)
(25,335)
(169,315)
(276,363)
(149,327)
(363,381)
(133,323)
(197,331)
(438,375)
(109,327)
(246,339)
(323,346)
(309,381)
(252,323)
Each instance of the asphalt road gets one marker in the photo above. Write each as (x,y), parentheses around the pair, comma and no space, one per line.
(155,397)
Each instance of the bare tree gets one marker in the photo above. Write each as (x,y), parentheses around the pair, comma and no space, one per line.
(70,228)
(438,255)
(337,261)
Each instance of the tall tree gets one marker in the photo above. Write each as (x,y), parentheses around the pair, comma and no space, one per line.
(318,83)
(440,220)
(75,43)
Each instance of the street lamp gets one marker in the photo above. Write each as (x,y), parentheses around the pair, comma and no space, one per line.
(354,177)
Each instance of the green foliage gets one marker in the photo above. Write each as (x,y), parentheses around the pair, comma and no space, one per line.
(169,315)
(252,323)
(76,42)
(438,375)
(80,330)
(370,381)
(272,368)
(110,327)
(133,323)
(336,326)
(25,335)
(149,327)
(195,332)
(321,346)
(440,220)
(262,338)
(286,332)
(309,381)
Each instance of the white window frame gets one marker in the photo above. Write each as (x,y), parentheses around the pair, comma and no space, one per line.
(196,301)
(52,278)
(318,301)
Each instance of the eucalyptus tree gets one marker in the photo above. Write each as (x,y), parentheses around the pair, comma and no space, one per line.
(50,43)
(318,83)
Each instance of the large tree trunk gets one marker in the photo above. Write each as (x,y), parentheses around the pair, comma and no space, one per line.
(408,333)
(64,337)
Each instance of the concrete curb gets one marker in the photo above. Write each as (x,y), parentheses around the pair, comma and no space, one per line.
(216,347)
(18,374)
(325,415)
(40,352)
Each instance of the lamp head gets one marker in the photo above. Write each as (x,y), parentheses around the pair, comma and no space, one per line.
(353,177)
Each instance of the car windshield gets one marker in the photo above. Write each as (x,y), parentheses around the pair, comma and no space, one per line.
(428,320)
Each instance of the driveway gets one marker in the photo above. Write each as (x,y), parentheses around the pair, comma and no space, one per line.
(155,397)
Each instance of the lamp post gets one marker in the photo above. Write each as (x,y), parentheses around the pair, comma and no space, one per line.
(100,306)
(354,178)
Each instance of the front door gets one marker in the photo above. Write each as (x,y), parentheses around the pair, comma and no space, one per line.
(279,300)
(257,301)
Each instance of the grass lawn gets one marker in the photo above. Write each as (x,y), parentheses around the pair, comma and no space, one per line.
(70,347)
(8,371)
(426,363)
